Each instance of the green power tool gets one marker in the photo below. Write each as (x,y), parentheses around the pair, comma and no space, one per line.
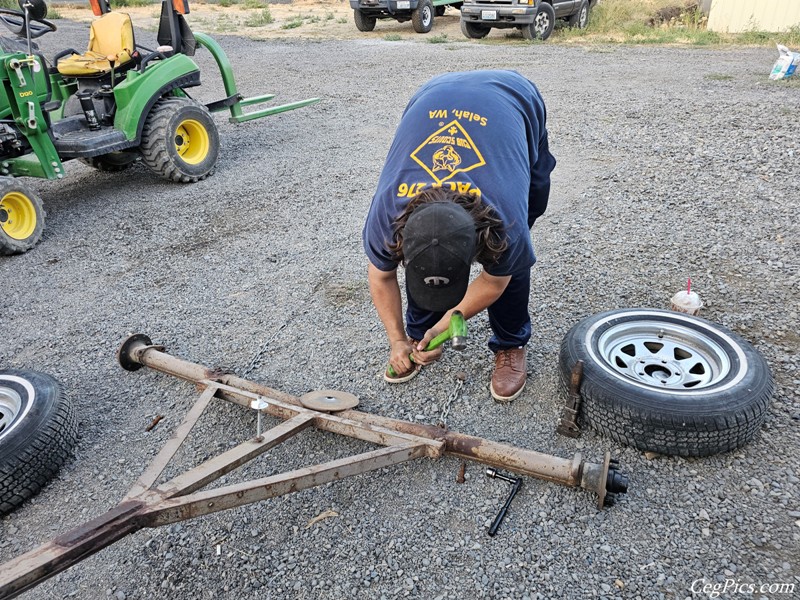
(456,331)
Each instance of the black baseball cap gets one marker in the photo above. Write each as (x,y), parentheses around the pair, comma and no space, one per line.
(438,246)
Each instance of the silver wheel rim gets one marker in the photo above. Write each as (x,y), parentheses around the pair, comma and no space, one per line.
(10,409)
(427,12)
(662,355)
(584,17)
(541,23)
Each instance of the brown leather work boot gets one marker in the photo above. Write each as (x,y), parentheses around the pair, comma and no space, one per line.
(510,371)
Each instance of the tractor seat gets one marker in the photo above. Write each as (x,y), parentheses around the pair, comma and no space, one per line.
(110,36)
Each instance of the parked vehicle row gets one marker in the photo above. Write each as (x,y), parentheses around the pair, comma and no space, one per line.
(536,19)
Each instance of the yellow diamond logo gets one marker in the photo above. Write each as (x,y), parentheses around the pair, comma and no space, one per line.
(448,151)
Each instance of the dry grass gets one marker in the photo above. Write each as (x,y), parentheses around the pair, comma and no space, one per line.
(655,22)
(662,22)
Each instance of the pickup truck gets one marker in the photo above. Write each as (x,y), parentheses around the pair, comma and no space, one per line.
(419,12)
(535,18)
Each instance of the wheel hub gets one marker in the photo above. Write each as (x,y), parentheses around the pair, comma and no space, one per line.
(17,216)
(664,355)
(192,142)
(541,23)
(10,407)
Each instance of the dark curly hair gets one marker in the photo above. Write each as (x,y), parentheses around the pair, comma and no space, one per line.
(490,241)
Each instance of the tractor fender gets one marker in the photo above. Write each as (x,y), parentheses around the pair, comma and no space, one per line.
(140,91)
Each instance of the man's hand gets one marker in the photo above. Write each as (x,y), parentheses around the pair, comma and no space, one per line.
(402,352)
(421,357)
(399,358)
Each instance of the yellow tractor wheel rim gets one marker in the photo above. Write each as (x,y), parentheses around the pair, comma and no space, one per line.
(191,141)
(17,216)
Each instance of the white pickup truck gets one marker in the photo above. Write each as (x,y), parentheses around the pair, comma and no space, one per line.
(419,12)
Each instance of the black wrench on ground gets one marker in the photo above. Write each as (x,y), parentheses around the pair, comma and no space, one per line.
(516,484)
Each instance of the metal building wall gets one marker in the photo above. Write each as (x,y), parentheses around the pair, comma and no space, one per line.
(735,16)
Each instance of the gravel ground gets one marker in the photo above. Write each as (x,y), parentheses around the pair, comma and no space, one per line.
(672,163)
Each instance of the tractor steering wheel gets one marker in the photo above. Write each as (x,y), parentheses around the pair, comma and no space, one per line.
(14,20)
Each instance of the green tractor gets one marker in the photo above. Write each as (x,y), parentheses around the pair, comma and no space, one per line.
(110,106)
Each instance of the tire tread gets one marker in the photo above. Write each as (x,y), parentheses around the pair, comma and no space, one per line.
(24,474)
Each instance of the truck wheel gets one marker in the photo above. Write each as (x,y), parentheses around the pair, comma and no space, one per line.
(363,22)
(422,17)
(543,24)
(474,31)
(180,140)
(439,10)
(666,382)
(21,217)
(113,162)
(38,430)
(581,18)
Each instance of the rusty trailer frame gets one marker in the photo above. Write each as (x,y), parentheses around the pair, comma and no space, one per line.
(150,505)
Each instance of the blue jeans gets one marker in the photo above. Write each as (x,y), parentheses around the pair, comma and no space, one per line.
(508,316)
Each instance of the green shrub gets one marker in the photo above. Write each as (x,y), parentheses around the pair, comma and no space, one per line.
(129,3)
(293,24)
(259,19)
(254,4)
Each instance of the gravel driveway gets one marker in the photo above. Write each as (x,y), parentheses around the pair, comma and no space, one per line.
(672,163)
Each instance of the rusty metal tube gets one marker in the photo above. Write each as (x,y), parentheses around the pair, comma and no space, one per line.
(138,351)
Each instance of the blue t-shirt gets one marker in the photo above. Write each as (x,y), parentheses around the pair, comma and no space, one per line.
(479,132)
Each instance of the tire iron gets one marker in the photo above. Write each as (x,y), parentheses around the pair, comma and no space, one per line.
(516,484)
(569,413)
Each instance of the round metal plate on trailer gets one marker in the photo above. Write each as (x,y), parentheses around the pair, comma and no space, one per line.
(124,352)
(329,400)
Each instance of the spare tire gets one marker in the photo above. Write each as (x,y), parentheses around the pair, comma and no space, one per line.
(38,430)
(667,382)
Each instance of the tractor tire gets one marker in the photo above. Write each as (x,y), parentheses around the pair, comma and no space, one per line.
(474,31)
(422,16)
(21,217)
(666,382)
(542,25)
(581,18)
(113,162)
(38,430)
(363,22)
(180,140)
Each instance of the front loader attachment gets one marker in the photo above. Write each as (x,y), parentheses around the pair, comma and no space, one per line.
(234,100)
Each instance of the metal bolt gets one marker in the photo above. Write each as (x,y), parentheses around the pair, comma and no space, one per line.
(258,405)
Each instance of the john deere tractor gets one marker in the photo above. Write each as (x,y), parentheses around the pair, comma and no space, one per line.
(109,106)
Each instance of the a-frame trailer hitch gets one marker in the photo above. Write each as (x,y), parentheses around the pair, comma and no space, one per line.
(150,505)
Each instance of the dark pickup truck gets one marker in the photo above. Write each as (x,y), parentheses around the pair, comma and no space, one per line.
(535,18)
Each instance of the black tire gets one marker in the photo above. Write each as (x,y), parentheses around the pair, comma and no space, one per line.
(363,22)
(38,430)
(667,382)
(474,31)
(542,25)
(581,18)
(422,16)
(439,10)
(21,217)
(113,162)
(180,140)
